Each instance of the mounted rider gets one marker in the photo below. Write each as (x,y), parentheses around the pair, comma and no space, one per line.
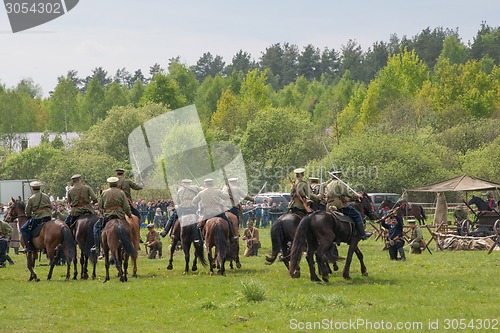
(236,196)
(301,194)
(185,208)
(80,199)
(113,204)
(338,196)
(125,185)
(211,202)
(318,188)
(38,210)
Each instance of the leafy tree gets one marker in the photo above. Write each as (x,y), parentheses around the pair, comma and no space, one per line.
(62,107)
(454,50)
(208,65)
(486,44)
(155,69)
(330,64)
(242,61)
(28,87)
(93,107)
(123,78)
(136,93)
(429,44)
(309,63)
(186,80)
(208,95)
(484,162)
(163,89)
(29,163)
(375,59)
(116,95)
(352,60)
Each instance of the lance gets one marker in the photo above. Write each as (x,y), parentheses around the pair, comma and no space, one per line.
(261,189)
(137,167)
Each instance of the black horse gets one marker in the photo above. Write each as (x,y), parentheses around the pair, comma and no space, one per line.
(406,209)
(320,230)
(480,204)
(282,233)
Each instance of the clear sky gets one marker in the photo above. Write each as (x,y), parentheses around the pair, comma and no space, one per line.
(137,34)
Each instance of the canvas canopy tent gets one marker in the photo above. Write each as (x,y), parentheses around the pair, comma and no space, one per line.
(461,183)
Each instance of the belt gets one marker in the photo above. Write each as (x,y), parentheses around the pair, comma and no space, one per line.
(334,198)
(81,204)
(43,208)
(113,207)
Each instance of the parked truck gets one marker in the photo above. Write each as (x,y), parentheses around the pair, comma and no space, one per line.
(14,189)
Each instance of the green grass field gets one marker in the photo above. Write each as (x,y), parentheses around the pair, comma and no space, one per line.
(442,292)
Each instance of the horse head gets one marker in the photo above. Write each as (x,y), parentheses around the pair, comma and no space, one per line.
(368,206)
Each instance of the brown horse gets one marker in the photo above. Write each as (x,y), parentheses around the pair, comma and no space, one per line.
(117,238)
(320,230)
(83,231)
(406,209)
(135,226)
(216,234)
(234,247)
(53,233)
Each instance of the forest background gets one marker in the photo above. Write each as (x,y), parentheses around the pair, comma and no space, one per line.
(404,113)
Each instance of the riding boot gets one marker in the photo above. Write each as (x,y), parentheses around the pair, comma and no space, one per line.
(165,231)
(27,245)
(198,235)
(361,230)
(97,238)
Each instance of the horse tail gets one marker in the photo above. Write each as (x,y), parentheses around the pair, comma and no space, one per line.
(198,248)
(127,244)
(69,241)
(299,242)
(276,240)
(220,242)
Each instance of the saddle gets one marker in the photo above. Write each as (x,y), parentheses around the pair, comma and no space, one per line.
(341,217)
(35,232)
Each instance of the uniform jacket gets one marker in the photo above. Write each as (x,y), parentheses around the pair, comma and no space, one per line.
(126,185)
(114,202)
(5,229)
(186,194)
(38,206)
(80,199)
(211,201)
(338,194)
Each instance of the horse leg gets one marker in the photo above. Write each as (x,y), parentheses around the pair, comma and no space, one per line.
(322,259)
(310,260)
(173,245)
(125,268)
(52,261)
(30,260)
(82,266)
(347,267)
(94,275)
(75,268)
(195,266)
(359,254)
(186,248)
(134,266)
(223,268)
(106,264)
(210,261)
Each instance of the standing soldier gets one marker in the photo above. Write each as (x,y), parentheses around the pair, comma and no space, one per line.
(126,185)
(38,210)
(113,204)
(80,198)
(212,201)
(339,195)
(318,188)
(301,193)
(5,235)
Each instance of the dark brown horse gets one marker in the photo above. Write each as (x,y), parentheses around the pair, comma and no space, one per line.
(117,238)
(175,238)
(188,234)
(216,234)
(406,209)
(283,230)
(53,233)
(84,236)
(320,230)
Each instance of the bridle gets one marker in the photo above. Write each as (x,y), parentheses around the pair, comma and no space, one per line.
(8,216)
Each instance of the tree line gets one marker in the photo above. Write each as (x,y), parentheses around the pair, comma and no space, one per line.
(415,110)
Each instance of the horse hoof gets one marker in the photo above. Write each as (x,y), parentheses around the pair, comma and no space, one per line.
(295,275)
(365,273)
(325,279)
(194,269)
(335,268)
(315,279)
(347,277)
(38,280)
(211,273)
(238,265)
(170,267)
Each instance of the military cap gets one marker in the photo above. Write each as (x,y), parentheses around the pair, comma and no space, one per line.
(411,221)
(150,226)
(314,179)
(186,181)
(112,180)
(120,170)
(232,180)
(77,176)
(299,170)
(35,185)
